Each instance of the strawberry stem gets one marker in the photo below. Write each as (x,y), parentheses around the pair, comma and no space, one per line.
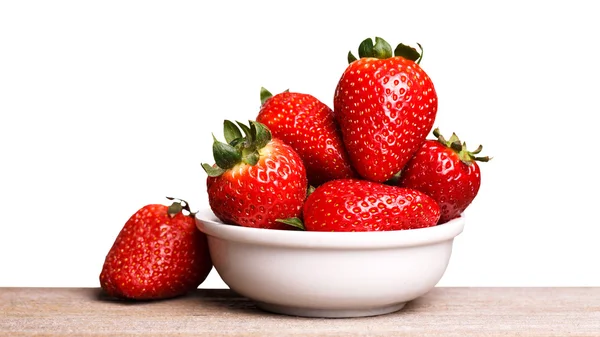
(250,156)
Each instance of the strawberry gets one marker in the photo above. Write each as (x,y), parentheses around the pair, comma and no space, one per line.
(385,106)
(446,171)
(353,205)
(256,179)
(308,126)
(158,254)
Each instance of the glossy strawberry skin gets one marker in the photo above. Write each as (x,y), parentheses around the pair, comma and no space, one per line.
(257,195)
(308,126)
(437,171)
(385,109)
(347,205)
(156,256)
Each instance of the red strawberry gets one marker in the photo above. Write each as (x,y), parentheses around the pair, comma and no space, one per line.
(446,171)
(158,254)
(256,180)
(308,126)
(385,106)
(352,205)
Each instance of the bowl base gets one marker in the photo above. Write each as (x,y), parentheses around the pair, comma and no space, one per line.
(329,313)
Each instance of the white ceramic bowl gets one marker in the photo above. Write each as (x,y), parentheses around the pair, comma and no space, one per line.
(326,274)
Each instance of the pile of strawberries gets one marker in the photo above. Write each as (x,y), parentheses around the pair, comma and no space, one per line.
(365,165)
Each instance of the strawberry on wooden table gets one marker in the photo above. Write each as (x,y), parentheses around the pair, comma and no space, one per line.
(158,254)
(256,178)
(385,105)
(446,171)
(353,205)
(308,126)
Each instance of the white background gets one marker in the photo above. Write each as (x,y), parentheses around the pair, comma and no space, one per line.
(109,105)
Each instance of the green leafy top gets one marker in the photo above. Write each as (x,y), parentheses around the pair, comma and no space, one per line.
(382,50)
(455,144)
(178,206)
(238,148)
(265,95)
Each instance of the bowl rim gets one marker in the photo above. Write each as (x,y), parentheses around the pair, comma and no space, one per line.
(210,225)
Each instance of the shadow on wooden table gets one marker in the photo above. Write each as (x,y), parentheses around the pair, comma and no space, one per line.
(215,301)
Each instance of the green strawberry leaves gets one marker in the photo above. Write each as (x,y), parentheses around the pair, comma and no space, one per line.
(213,171)
(246,131)
(178,206)
(261,136)
(460,148)
(382,50)
(231,131)
(250,156)
(365,49)
(297,222)
(409,52)
(238,148)
(264,95)
(294,222)
(226,156)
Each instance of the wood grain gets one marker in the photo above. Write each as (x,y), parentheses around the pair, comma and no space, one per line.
(442,312)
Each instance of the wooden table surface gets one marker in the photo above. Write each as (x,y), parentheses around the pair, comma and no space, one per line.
(442,312)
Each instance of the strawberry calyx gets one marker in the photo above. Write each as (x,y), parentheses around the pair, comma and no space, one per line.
(238,148)
(381,49)
(309,190)
(460,148)
(178,206)
(266,94)
(394,180)
(294,222)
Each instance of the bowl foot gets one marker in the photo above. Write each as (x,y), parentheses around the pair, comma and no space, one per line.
(329,313)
